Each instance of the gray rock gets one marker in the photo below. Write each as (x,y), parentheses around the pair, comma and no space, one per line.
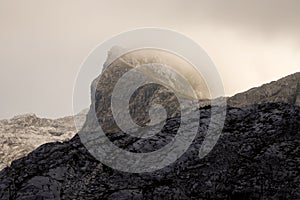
(285,90)
(24,133)
(257,157)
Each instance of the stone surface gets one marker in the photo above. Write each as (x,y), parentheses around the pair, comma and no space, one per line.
(285,90)
(24,133)
(143,97)
(257,157)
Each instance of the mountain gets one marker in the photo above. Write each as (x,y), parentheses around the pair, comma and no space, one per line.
(145,63)
(257,157)
(285,90)
(24,133)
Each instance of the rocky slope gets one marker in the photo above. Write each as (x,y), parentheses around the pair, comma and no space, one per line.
(285,90)
(257,157)
(139,103)
(24,133)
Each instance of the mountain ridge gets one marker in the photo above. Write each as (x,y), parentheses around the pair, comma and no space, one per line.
(256,157)
(23,133)
(286,89)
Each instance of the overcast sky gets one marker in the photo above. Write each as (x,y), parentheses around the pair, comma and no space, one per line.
(44,42)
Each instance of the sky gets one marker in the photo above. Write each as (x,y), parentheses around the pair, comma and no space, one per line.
(44,43)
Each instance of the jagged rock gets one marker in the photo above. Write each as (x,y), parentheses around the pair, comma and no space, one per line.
(257,157)
(24,133)
(159,92)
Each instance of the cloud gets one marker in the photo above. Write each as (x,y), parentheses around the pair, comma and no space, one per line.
(269,17)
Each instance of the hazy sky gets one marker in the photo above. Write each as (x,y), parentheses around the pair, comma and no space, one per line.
(44,42)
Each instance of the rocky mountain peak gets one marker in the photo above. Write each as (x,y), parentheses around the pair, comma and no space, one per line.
(256,157)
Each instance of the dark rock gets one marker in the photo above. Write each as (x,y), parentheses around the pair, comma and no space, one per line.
(257,157)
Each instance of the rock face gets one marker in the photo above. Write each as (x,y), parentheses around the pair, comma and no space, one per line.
(257,157)
(158,92)
(24,133)
(285,90)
